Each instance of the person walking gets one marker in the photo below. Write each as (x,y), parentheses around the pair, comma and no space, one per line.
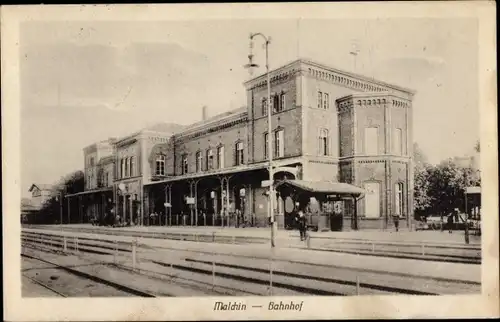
(301,219)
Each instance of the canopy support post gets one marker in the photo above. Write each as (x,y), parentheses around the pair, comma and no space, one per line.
(355,215)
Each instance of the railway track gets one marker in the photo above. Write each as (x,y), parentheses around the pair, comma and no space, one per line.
(243,275)
(73,281)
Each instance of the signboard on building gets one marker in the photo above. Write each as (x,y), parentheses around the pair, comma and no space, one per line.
(190,200)
(266,183)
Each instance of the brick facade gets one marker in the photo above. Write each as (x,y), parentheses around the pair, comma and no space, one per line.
(321,120)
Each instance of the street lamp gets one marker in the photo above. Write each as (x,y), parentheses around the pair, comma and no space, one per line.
(59,198)
(251,65)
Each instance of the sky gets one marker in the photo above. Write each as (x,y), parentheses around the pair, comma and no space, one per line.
(83,82)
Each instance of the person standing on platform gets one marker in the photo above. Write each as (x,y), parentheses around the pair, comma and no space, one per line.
(396,221)
(450,222)
(301,219)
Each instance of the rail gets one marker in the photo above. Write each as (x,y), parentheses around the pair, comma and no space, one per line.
(138,256)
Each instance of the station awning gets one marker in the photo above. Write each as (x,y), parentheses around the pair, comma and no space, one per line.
(323,187)
(88,192)
(215,172)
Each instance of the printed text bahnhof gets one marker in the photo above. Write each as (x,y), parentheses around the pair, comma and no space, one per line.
(272,306)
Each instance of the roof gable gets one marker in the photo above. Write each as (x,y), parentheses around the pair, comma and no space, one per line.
(41,187)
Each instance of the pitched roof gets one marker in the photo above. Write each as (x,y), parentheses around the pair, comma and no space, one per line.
(324,187)
(165,127)
(40,186)
(214,119)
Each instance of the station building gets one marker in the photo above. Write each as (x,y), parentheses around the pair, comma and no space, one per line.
(327,125)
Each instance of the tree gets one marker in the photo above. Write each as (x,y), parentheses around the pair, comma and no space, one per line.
(477,147)
(50,213)
(446,187)
(421,169)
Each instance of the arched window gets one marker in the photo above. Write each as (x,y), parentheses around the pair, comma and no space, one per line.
(264,106)
(160,165)
(210,159)
(185,164)
(399,201)
(279,144)
(323,142)
(220,157)
(276,103)
(122,168)
(266,146)
(326,101)
(132,166)
(282,102)
(320,99)
(199,160)
(127,167)
(397,142)
(239,156)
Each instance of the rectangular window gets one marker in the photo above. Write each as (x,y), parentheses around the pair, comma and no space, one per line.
(371,141)
(264,106)
(199,159)
(160,165)
(399,203)
(279,146)
(92,161)
(239,154)
(266,145)
(397,142)
(320,99)
(326,101)
(220,157)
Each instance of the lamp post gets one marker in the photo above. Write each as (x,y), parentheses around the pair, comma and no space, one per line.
(60,197)
(251,65)
(465,165)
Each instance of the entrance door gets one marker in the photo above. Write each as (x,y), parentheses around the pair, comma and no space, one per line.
(372,199)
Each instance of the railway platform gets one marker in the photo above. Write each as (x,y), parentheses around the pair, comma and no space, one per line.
(292,236)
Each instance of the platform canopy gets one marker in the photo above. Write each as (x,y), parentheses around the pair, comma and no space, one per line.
(323,187)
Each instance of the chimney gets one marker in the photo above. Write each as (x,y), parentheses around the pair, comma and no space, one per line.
(204,115)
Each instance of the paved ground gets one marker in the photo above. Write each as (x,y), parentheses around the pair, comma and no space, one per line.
(372,235)
(409,266)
